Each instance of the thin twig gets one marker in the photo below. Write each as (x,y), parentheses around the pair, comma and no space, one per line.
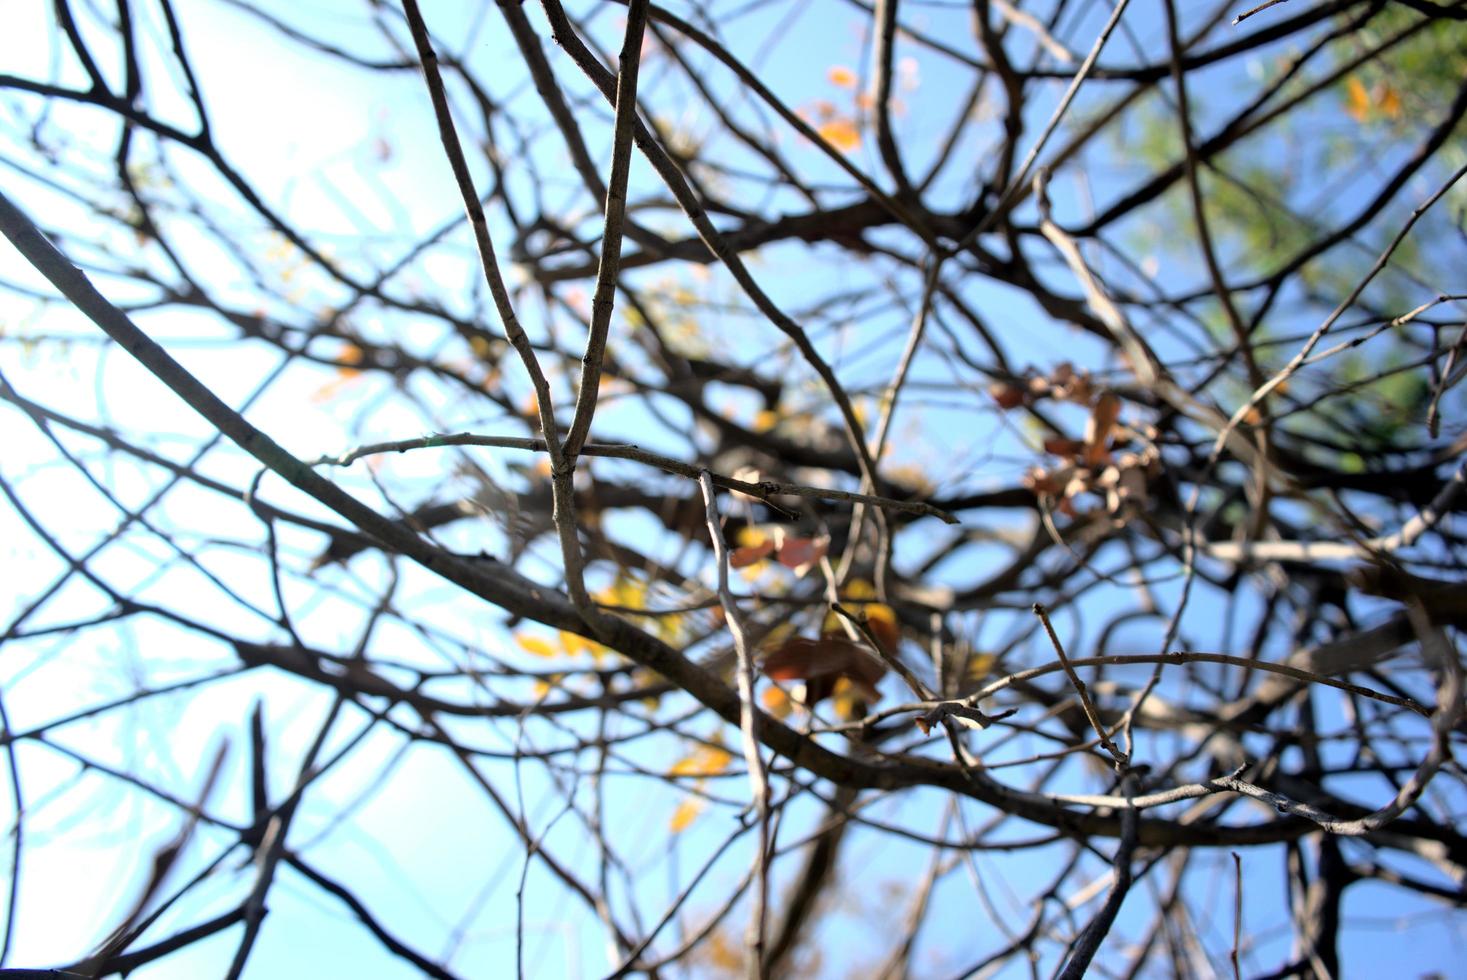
(448,134)
(603,301)
(1121,760)
(1019,184)
(1236,21)
(763,489)
(1299,358)
(1089,942)
(748,725)
(1237,914)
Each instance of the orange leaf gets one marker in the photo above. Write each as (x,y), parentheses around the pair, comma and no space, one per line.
(776,702)
(344,378)
(841,133)
(1389,102)
(841,75)
(750,553)
(350,356)
(1357,100)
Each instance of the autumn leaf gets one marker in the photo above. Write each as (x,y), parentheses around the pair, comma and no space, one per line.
(841,76)
(1357,99)
(757,544)
(574,643)
(347,371)
(627,594)
(705,760)
(776,702)
(881,620)
(1007,395)
(1045,483)
(1389,101)
(687,811)
(847,699)
(979,666)
(801,554)
(351,355)
(841,133)
(1062,446)
(724,953)
(820,662)
(1381,99)
(750,554)
(536,645)
(1098,427)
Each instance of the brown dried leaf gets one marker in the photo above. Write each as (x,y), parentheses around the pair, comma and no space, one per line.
(1007,395)
(1098,427)
(801,553)
(750,553)
(1046,483)
(1063,446)
(819,662)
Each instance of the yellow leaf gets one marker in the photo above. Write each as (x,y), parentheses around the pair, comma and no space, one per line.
(844,699)
(841,75)
(537,645)
(841,133)
(687,811)
(880,612)
(882,621)
(776,702)
(1357,99)
(724,953)
(979,666)
(764,420)
(573,643)
(913,477)
(716,759)
(751,536)
(705,760)
(625,592)
(542,688)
